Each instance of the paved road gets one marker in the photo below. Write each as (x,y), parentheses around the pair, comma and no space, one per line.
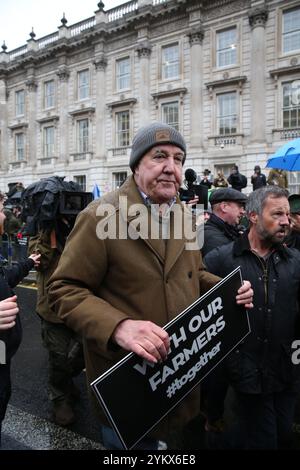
(28,422)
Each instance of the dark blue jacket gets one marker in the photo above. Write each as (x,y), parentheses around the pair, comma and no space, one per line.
(262,363)
(9,278)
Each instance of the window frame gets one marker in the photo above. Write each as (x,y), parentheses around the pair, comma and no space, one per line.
(119,77)
(86,86)
(46,145)
(163,75)
(82,142)
(217,35)
(46,95)
(114,173)
(18,147)
(218,116)
(117,132)
(282,33)
(22,103)
(163,105)
(82,185)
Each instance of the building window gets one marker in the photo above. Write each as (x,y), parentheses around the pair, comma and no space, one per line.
(20,103)
(118,179)
(123,129)
(49,94)
(291,106)
(226,114)
(49,141)
(225,169)
(170,114)
(291,30)
(81,180)
(83,135)
(123,74)
(20,147)
(170,61)
(226,47)
(294,182)
(83,84)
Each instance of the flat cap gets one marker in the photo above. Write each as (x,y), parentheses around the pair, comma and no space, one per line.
(227,194)
(294,200)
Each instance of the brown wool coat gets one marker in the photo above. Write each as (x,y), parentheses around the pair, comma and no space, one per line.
(98,283)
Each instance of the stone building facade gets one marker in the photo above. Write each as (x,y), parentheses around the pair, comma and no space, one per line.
(226,73)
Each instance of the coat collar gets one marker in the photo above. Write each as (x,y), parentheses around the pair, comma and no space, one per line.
(166,251)
(242,245)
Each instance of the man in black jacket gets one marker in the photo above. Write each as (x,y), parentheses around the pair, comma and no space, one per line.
(236,179)
(261,369)
(228,207)
(10,324)
(258,179)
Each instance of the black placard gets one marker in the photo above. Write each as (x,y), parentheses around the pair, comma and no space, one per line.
(136,395)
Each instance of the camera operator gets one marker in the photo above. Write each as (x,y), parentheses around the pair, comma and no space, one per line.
(65,355)
(193,193)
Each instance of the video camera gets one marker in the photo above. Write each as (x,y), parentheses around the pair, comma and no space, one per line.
(49,200)
(193,189)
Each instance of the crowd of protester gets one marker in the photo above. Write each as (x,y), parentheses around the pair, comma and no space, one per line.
(238,228)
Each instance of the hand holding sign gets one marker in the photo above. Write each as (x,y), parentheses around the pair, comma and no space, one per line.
(144,338)
(245,295)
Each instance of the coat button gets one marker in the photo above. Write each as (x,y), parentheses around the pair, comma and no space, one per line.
(260,309)
(259,278)
(190,274)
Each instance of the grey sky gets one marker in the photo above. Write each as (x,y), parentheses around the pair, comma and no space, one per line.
(17,17)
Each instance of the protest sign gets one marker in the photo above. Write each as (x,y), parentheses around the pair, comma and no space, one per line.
(136,394)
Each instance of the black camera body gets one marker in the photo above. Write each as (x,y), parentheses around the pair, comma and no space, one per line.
(50,200)
(193,189)
(73,202)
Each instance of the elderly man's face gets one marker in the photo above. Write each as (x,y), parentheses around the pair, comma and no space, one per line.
(273,223)
(233,212)
(159,173)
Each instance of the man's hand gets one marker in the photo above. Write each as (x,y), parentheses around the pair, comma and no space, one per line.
(36,257)
(144,338)
(8,312)
(245,295)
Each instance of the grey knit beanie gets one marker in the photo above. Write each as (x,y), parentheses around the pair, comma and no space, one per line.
(151,135)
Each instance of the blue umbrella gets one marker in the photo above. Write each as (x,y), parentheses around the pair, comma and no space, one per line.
(96,191)
(287,157)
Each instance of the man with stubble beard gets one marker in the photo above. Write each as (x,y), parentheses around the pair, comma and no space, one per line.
(261,369)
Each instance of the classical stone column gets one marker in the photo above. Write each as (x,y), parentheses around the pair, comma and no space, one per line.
(63,75)
(144,51)
(100,63)
(257,19)
(32,124)
(196,37)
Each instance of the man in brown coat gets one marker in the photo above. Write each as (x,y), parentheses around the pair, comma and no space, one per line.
(118,286)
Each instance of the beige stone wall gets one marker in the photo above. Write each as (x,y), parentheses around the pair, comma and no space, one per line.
(257,78)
